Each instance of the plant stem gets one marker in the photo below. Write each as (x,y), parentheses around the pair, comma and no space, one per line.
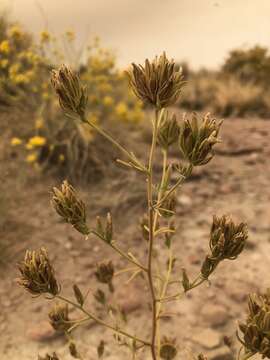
(107,136)
(101,322)
(119,251)
(151,234)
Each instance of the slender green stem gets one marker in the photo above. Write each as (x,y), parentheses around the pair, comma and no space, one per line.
(107,136)
(151,233)
(119,251)
(173,188)
(163,294)
(101,322)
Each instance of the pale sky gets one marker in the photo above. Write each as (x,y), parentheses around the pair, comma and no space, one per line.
(199,31)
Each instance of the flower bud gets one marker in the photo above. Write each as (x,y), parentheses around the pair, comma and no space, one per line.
(78,295)
(72,95)
(168,349)
(104,273)
(73,350)
(168,132)
(37,273)
(157,83)
(197,139)
(144,223)
(70,207)
(59,318)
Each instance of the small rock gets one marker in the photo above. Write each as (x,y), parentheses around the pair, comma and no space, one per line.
(42,331)
(207,338)
(216,315)
(222,353)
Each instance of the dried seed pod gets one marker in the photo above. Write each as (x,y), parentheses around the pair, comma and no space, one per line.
(168,132)
(73,350)
(37,273)
(227,239)
(78,295)
(100,297)
(59,317)
(256,329)
(100,349)
(72,95)
(109,229)
(104,273)
(168,349)
(197,139)
(67,204)
(157,83)
(185,280)
(48,357)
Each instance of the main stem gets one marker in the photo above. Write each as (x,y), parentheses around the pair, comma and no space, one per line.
(151,236)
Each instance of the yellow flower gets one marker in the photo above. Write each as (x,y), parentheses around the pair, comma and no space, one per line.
(108,101)
(61,158)
(70,35)
(31,158)
(121,109)
(15,141)
(15,32)
(45,95)
(45,36)
(36,141)
(5,47)
(39,123)
(4,63)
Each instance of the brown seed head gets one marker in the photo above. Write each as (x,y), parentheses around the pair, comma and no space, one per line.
(168,132)
(37,273)
(67,204)
(168,349)
(256,329)
(197,139)
(72,95)
(105,272)
(157,83)
(59,318)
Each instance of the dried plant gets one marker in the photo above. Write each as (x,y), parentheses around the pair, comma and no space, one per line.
(159,84)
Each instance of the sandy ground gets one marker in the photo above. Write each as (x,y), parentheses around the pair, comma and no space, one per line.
(236,182)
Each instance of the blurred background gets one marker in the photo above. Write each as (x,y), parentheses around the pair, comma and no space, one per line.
(223,49)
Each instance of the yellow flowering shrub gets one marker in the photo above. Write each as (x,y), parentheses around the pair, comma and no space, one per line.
(25,67)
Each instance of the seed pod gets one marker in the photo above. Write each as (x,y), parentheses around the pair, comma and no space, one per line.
(157,83)
(78,295)
(256,328)
(67,204)
(73,350)
(59,317)
(100,297)
(72,95)
(104,273)
(168,132)
(109,229)
(100,349)
(185,280)
(197,139)
(37,273)
(168,349)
